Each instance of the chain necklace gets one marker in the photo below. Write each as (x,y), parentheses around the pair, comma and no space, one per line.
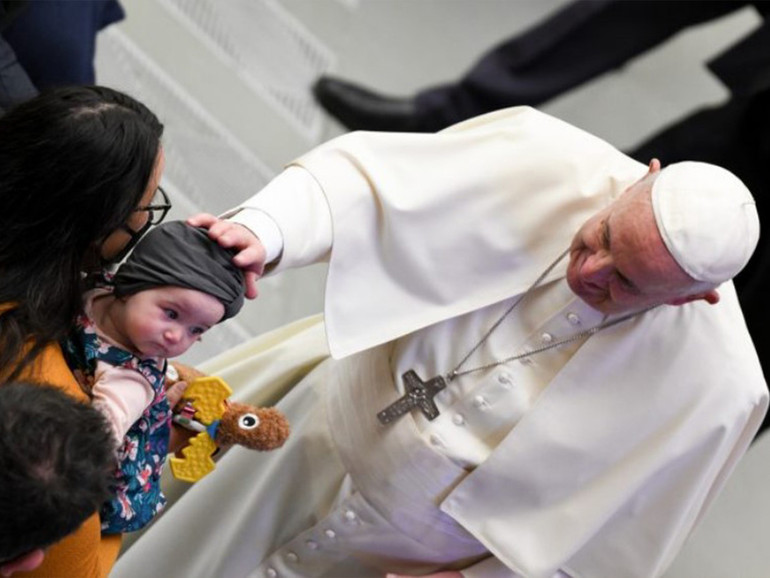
(419,394)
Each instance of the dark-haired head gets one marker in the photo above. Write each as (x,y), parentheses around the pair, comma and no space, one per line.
(56,466)
(74,165)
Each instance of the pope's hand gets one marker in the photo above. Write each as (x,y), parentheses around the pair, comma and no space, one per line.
(438,575)
(249,252)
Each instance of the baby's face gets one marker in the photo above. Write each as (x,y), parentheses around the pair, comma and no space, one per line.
(166,321)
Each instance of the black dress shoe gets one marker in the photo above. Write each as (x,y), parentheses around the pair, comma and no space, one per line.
(360,109)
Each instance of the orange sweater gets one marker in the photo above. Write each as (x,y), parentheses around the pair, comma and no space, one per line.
(84,553)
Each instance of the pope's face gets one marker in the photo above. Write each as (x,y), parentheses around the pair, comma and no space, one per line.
(618,260)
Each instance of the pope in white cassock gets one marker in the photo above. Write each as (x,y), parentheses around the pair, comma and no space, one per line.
(531,363)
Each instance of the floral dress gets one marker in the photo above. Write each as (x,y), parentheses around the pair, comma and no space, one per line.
(141,455)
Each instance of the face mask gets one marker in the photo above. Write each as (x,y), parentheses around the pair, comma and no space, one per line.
(135,237)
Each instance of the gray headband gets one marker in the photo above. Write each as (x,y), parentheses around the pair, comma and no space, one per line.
(178,255)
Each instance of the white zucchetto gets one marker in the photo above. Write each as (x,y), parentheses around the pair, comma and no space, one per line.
(707,218)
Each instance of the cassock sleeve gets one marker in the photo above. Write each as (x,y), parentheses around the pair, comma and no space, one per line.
(431,226)
(418,228)
(291,218)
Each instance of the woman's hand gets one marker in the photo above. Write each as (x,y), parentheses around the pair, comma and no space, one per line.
(250,254)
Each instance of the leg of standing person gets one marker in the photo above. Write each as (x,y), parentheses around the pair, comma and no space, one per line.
(55,40)
(15,85)
(577,43)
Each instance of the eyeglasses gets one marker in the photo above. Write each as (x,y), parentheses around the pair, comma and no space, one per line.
(159,207)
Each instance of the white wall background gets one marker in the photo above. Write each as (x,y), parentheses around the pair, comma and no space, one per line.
(230,80)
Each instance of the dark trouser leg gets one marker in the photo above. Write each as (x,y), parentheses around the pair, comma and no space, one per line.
(55,40)
(579,42)
(15,85)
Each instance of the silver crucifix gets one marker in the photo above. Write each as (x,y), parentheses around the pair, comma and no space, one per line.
(418,393)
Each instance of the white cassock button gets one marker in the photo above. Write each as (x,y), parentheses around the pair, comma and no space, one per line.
(505,380)
(546,338)
(292,557)
(312,544)
(526,360)
(329,533)
(458,419)
(436,440)
(271,573)
(350,516)
(573,318)
(479,402)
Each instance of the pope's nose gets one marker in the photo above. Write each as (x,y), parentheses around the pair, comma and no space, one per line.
(597,268)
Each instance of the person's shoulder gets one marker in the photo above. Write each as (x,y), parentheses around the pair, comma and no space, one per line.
(51,367)
(82,554)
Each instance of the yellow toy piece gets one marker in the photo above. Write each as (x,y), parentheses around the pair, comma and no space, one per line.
(221,422)
(208,395)
(197,460)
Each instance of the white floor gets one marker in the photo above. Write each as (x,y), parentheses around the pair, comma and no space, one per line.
(230,79)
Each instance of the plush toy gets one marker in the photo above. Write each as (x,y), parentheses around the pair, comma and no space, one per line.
(220,422)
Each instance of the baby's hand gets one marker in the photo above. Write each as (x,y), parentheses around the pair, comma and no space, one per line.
(175,392)
(250,254)
(179,437)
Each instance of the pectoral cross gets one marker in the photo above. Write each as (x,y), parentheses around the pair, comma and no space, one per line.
(418,393)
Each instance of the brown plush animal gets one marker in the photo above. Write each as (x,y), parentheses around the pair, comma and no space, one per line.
(220,422)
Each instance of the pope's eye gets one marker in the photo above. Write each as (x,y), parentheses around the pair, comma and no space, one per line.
(248,421)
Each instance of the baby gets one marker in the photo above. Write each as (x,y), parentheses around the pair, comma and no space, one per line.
(176,284)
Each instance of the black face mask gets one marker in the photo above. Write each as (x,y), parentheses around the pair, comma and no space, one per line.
(157,211)
(135,237)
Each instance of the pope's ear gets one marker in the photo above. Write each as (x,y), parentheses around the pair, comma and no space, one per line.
(711,297)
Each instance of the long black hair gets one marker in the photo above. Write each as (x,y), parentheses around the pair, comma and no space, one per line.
(74,164)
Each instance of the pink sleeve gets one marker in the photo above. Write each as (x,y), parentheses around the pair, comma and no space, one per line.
(121,395)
